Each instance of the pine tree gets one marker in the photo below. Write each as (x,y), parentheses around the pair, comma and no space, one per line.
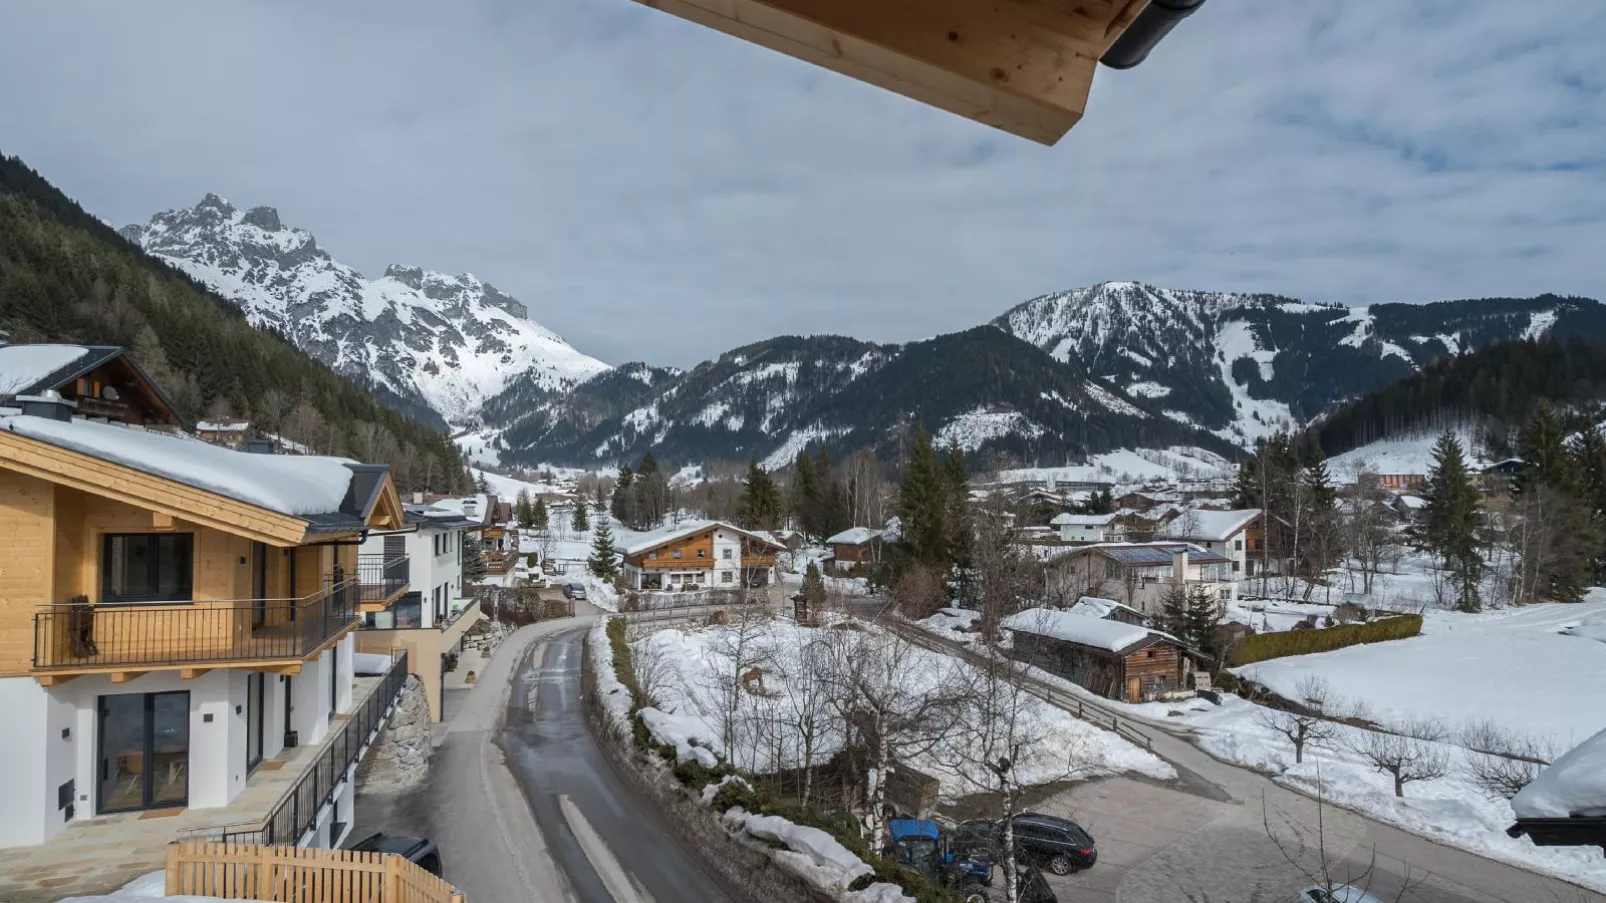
(813,587)
(806,498)
(623,503)
(760,504)
(923,502)
(1557,539)
(474,564)
(581,522)
(956,485)
(1452,517)
(1542,447)
(523,511)
(540,519)
(604,559)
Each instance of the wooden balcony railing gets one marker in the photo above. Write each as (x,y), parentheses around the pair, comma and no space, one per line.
(77,636)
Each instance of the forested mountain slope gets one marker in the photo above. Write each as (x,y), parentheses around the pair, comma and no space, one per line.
(67,276)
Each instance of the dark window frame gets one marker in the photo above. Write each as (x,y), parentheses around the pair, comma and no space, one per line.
(152,567)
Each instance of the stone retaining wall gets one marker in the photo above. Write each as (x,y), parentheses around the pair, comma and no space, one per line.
(399,759)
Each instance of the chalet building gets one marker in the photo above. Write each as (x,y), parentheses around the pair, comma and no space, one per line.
(1401,482)
(1087,527)
(1140,575)
(101,382)
(435,608)
(700,555)
(1116,660)
(1499,477)
(1235,535)
(176,620)
(229,433)
(1109,609)
(853,547)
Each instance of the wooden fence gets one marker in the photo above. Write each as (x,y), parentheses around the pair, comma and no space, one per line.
(283,874)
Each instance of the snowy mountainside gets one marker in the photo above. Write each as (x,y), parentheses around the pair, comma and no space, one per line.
(997,398)
(1245,366)
(418,338)
(1407,453)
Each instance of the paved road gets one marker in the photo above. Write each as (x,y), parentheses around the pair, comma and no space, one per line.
(605,838)
(1206,838)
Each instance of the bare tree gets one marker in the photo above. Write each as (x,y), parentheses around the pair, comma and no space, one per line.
(653,669)
(898,704)
(806,711)
(1311,724)
(1303,845)
(1501,761)
(735,652)
(1003,576)
(918,592)
(1416,753)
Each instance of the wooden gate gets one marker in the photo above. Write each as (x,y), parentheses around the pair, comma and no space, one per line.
(240,871)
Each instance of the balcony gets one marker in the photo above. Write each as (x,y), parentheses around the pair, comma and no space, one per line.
(382,580)
(130,636)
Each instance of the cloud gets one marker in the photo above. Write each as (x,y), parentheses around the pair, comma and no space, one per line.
(654,190)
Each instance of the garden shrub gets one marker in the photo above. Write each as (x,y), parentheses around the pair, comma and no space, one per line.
(1262,646)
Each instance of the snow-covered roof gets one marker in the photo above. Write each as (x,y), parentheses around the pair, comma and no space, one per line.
(1212,526)
(222,426)
(649,541)
(1574,784)
(1413,502)
(23,366)
(289,484)
(1146,553)
(854,536)
(1068,519)
(459,508)
(1074,628)
(1095,607)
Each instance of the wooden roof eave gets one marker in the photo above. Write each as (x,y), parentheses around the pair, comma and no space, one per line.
(106,479)
(1024,66)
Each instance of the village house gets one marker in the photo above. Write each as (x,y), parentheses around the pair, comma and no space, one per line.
(1095,607)
(1401,482)
(429,619)
(853,547)
(226,432)
(1235,535)
(1114,659)
(176,622)
(1140,575)
(702,555)
(1087,527)
(101,382)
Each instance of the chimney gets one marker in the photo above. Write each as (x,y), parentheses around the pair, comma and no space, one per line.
(47,404)
(1179,565)
(471,509)
(418,498)
(259,446)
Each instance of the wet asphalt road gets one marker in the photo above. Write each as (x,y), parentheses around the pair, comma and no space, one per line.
(551,753)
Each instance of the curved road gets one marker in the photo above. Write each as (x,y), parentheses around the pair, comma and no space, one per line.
(607,840)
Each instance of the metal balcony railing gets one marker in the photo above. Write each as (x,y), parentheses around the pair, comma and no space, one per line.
(81,635)
(383,578)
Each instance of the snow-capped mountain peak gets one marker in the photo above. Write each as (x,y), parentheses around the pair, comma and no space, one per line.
(446,343)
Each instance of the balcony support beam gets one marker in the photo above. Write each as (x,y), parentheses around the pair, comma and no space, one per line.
(54,680)
(192,673)
(123,677)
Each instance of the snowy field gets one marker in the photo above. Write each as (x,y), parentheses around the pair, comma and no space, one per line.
(691,676)
(1402,454)
(1514,665)
(1128,465)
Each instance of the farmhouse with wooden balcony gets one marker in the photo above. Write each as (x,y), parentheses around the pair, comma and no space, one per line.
(176,619)
(701,555)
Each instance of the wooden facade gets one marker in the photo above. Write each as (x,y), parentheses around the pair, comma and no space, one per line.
(687,553)
(1141,672)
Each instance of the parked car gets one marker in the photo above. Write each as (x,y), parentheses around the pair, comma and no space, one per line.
(1058,844)
(574,590)
(417,850)
(1338,893)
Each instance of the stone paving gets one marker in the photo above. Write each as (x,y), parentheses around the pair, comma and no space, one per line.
(97,855)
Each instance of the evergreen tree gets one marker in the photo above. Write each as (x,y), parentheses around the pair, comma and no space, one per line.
(581,521)
(956,484)
(1589,451)
(482,485)
(474,565)
(833,512)
(539,517)
(623,503)
(651,493)
(1557,540)
(1542,447)
(760,504)
(806,498)
(523,511)
(1452,517)
(1323,494)
(813,587)
(604,559)
(923,502)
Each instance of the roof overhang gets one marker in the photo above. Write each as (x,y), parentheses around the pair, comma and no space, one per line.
(1577,831)
(1024,66)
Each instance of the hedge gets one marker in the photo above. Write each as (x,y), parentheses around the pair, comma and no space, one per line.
(1261,646)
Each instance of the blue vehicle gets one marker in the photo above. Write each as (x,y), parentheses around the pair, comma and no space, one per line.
(921,846)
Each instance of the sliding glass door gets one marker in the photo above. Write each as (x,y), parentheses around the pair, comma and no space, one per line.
(144,751)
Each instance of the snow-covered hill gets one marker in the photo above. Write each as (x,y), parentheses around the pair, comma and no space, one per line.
(413,335)
(1246,366)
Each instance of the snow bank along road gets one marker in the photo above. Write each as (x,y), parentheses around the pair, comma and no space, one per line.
(1204,837)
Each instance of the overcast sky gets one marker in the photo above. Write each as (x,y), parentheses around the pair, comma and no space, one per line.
(655,190)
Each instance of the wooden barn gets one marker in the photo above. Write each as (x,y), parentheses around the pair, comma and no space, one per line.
(1120,661)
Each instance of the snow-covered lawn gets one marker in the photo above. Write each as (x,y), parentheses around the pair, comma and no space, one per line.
(956,624)
(1513,666)
(1274,615)
(694,667)
(1450,810)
